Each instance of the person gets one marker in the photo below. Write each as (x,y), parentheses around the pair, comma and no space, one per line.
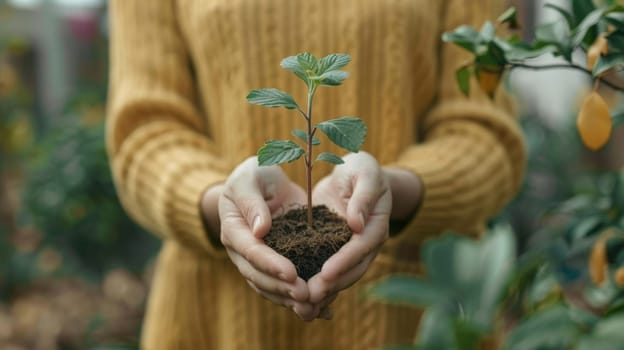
(181,139)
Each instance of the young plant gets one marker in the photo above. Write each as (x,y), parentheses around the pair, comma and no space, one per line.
(345,132)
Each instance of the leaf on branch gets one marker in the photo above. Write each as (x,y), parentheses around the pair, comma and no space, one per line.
(557,34)
(333,78)
(618,119)
(272,98)
(586,32)
(465,37)
(279,152)
(510,16)
(303,136)
(463,79)
(307,62)
(615,41)
(345,132)
(291,63)
(563,12)
(332,62)
(488,32)
(608,62)
(330,158)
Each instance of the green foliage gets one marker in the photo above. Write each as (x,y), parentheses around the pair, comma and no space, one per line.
(303,136)
(580,29)
(69,196)
(279,152)
(346,132)
(330,158)
(272,98)
(464,282)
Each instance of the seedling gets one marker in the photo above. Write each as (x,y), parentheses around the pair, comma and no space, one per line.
(345,132)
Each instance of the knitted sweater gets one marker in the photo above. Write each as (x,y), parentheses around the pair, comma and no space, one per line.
(178,123)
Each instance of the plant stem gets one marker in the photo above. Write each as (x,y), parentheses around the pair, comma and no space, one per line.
(309,157)
(566,66)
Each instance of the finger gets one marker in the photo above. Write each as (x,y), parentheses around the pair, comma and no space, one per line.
(297,290)
(368,189)
(239,240)
(320,289)
(304,310)
(249,200)
(357,248)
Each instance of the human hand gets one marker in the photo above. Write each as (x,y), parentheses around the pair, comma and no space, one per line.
(251,195)
(359,191)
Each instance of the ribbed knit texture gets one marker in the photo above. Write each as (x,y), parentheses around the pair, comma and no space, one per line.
(179,123)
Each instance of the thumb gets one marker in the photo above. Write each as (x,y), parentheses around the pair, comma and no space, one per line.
(253,209)
(365,195)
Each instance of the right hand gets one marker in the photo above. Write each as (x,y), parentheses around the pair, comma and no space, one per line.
(251,195)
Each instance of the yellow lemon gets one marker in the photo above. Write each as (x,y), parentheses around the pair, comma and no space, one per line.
(594,122)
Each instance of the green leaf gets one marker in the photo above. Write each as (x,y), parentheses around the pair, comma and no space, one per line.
(563,12)
(346,132)
(608,62)
(488,32)
(307,62)
(330,158)
(616,41)
(436,329)
(409,290)
(615,20)
(551,328)
(278,152)
(521,52)
(581,8)
(465,37)
(618,119)
(303,136)
(332,62)
(510,16)
(584,32)
(272,98)
(557,34)
(291,63)
(463,79)
(333,78)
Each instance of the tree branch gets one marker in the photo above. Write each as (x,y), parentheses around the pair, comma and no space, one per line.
(566,66)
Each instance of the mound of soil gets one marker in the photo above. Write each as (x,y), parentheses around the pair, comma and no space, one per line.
(308,248)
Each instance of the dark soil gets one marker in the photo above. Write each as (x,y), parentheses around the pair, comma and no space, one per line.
(308,248)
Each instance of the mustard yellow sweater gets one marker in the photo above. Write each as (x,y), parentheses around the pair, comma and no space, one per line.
(178,123)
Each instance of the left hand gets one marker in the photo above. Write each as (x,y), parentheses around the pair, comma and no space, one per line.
(359,191)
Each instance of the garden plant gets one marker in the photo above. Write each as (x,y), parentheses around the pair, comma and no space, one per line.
(309,236)
(563,288)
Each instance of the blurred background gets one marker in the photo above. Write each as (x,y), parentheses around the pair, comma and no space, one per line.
(75,270)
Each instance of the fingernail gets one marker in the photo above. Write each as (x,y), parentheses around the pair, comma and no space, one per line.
(362,221)
(256,223)
(283,277)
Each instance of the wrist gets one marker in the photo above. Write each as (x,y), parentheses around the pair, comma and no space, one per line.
(407,192)
(209,211)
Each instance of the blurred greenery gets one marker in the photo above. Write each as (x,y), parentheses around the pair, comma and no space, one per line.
(74,268)
(564,286)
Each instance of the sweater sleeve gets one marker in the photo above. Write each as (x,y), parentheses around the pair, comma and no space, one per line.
(472,156)
(160,156)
